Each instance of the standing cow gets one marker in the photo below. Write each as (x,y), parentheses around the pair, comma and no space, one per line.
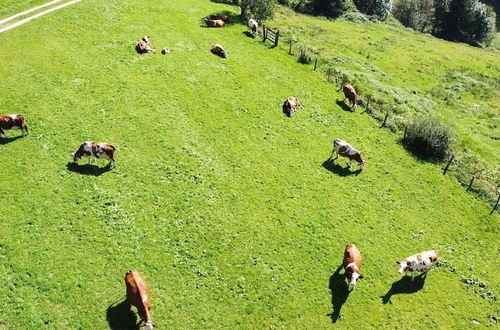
(138,295)
(252,24)
(143,46)
(8,122)
(94,150)
(214,22)
(420,262)
(352,263)
(290,105)
(219,50)
(344,149)
(349,93)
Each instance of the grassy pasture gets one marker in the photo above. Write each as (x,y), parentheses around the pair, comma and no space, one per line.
(229,209)
(11,7)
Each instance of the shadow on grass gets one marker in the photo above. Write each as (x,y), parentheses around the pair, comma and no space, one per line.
(5,140)
(340,293)
(88,169)
(227,2)
(404,286)
(343,105)
(330,165)
(232,19)
(121,317)
(249,34)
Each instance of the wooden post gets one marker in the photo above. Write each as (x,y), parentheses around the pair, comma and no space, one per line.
(290,49)
(445,169)
(404,134)
(471,182)
(263,33)
(496,204)
(367,109)
(277,38)
(385,119)
(315,64)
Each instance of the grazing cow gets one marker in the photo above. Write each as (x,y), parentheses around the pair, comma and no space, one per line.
(214,22)
(93,150)
(12,122)
(224,18)
(138,294)
(290,105)
(346,150)
(219,50)
(420,262)
(349,93)
(252,24)
(352,263)
(143,46)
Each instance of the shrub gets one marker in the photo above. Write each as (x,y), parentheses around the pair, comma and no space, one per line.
(329,8)
(429,138)
(377,8)
(305,56)
(258,9)
(415,14)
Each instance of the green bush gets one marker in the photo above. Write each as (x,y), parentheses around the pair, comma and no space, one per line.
(429,138)
(305,56)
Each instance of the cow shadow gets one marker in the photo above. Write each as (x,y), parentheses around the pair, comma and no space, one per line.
(249,34)
(331,166)
(344,106)
(404,286)
(121,317)
(340,292)
(6,140)
(226,2)
(233,19)
(88,169)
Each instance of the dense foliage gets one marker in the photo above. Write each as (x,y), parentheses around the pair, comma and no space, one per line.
(257,9)
(377,8)
(329,8)
(429,138)
(415,14)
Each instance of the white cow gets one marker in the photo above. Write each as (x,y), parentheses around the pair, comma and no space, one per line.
(252,24)
(420,262)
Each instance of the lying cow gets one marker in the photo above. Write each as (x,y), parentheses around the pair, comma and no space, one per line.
(143,46)
(352,263)
(349,93)
(8,122)
(420,262)
(214,22)
(290,105)
(94,150)
(252,24)
(224,18)
(219,50)
(138,295)
(346,150)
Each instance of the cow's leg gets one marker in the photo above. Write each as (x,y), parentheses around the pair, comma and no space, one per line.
(333,152)
(412,276)
(349,163)
(2,132)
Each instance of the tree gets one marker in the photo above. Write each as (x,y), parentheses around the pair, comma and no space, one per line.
(471,22)
(415,14)
(442,19)
(329,8)
(257,9)
(377,8)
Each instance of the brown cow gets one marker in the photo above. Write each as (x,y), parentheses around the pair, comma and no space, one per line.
(290,105)
(349,93)
(219,50)
(214,22)
(8,122)
(138,295)
(93,150)
(352,263)
(346,150)
(224,18)
(143,46)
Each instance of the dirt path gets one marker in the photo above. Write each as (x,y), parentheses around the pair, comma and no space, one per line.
(27,19)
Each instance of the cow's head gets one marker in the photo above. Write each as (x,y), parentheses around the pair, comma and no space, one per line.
(362,164)
(148,325)
(337,143)
(224,53)
(352,277)
(403,265)
(75,157)
(146,39)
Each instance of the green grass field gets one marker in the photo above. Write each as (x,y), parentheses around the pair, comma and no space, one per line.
(229,209)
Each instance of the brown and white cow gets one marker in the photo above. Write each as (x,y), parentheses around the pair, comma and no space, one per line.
(8,122)
(214,22)
(224,18)
(349,93)
(291,105)
(344,149)
(420,262)
(352,263)
(252,24)
(143,46)
(219,50)
(138,295)
(94,150)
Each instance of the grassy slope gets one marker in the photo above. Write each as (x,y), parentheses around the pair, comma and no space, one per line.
(11,7)
(220,201)
(411,74)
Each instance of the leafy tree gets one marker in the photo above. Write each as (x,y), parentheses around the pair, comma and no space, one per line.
(377,8)
(471,22)
(329,8)
(258,9)
(415,14)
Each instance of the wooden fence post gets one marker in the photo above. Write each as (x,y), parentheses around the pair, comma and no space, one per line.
(445,169)
(496,204)
(385,119)
(315,63)
(471,182)
(277,38)
(263,33)
(290,49)
(404,134)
